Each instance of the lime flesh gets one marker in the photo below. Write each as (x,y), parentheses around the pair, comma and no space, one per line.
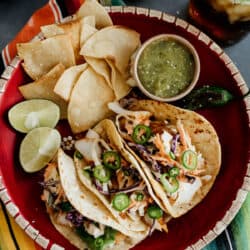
(38,148)
(34,113)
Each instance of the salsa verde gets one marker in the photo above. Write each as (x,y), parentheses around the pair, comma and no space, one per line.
(166,68)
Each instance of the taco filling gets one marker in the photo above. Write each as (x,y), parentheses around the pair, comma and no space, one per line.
(96,235)
(118,182)
(167,150)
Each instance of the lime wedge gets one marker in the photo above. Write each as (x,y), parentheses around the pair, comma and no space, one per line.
(38,148)
(34,113)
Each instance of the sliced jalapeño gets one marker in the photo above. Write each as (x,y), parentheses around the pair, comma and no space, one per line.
(141,134)
(170,184)
(189,159)
(112,160)
(154,212)
(139,197)
(174,171)
(102,173)
(120,202)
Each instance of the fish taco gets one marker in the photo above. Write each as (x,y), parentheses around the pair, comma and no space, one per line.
(178,150)
(77,214)
(108,170)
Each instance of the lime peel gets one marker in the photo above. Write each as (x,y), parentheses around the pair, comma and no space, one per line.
(38,148)
(30,114)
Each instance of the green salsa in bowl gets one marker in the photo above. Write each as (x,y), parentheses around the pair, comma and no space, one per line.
(166,67)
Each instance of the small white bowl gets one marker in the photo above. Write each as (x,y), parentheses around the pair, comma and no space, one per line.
(184,42)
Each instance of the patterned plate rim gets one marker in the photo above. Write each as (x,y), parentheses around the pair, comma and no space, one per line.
(243,190)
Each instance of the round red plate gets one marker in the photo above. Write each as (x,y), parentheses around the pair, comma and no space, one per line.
(231,123)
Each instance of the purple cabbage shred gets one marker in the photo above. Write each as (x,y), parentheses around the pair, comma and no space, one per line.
(142,151)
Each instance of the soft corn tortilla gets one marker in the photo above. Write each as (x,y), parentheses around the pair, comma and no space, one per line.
(107,131)
(75,240)
(116,43)
(88,102)
(93,8)
(44,89)
(41,56)
(203,137)
(87,204)
(68,233)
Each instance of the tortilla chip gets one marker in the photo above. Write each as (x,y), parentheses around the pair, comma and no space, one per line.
(44,89)
(93,8)
(119,84)
(72,29)
(41,56)
(101,68)
(116,43)
(90,20)
(88,102)
(67,81)
(86,32)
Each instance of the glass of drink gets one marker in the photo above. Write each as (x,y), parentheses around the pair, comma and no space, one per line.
(226,21)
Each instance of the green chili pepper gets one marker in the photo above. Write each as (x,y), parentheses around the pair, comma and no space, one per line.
(189,159)
(139,196)
(112,160)
(172,155)
(93,243)
(78,155)
(102,173)
(120,202)
(99,242)
(173,172)
(169,183)
(154,212)
(205,97)
(141,134)
(65,206)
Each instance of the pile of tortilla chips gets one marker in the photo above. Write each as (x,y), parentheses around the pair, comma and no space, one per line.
(81,65)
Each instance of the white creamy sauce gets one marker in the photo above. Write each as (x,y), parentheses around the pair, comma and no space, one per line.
(187,190)
(206,177)
(32,120)
(91,148)
(96,153)
(92,229)
(166,139)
